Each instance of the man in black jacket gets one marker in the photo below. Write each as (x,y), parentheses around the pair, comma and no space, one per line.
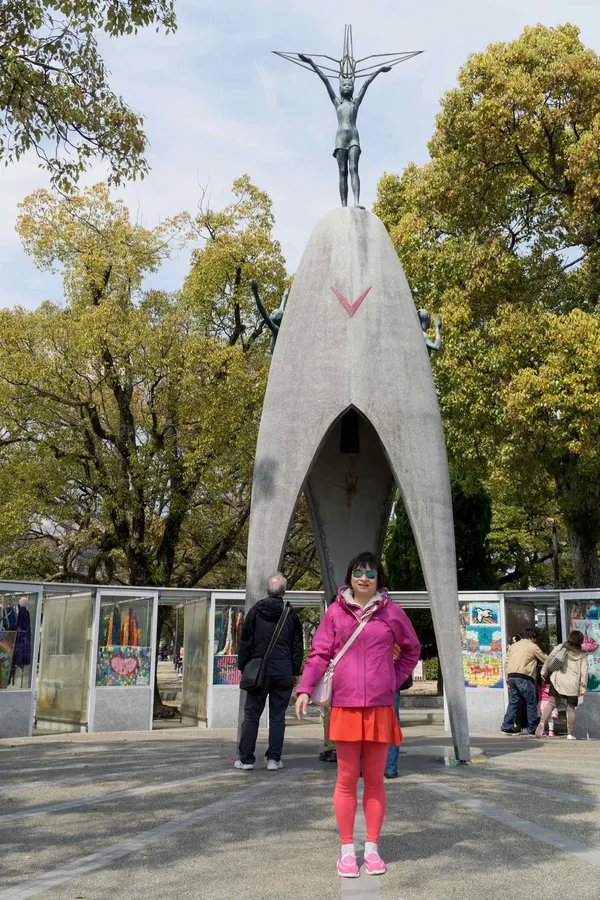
(282,671)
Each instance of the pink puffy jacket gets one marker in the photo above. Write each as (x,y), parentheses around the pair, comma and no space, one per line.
(366,675)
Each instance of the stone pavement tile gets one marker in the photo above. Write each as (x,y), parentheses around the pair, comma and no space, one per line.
(437,850)
(561,787)
(21,895)
(253,788)
(282,844)
(578,821)
(43,843)
(68,786)
(574,783)
(49,768)
(94,795)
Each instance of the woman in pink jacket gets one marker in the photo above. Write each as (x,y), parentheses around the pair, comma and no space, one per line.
(363,723)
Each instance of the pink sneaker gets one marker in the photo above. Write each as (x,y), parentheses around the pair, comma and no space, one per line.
(347,867)
(374,865)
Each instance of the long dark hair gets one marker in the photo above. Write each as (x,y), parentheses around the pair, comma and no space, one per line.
(575,640)
(368,560)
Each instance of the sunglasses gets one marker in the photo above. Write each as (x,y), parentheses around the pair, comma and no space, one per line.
(370,573)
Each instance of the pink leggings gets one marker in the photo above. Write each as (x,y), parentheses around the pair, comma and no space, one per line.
(374,756)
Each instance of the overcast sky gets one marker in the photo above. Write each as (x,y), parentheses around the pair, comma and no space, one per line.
(217,104)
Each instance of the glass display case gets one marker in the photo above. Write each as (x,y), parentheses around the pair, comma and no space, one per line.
(194,689)
(124,641)
(18,614)
(63,680)
(229,620)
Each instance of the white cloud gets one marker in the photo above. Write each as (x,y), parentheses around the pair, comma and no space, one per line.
(217,103)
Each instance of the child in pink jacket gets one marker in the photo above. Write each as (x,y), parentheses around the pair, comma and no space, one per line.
(363,723)
(543,697)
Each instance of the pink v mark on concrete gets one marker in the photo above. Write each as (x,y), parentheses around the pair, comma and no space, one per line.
(350,307)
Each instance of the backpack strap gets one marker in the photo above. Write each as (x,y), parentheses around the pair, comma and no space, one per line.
(287,608)
(350,640)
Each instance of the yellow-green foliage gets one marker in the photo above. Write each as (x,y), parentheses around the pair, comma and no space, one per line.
(54,92)
(500,232)
(127,427)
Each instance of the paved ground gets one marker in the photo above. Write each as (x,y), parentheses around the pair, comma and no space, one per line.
(164,815)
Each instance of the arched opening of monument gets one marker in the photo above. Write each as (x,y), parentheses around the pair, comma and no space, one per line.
(349,493)
(300,559)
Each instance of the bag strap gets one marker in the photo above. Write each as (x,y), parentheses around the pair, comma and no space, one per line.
(278,629)
(350,640)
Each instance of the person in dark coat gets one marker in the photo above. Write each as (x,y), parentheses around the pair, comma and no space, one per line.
(282,671)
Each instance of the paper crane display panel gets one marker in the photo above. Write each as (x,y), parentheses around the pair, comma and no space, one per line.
(481,637)
(229,622)
(584,616)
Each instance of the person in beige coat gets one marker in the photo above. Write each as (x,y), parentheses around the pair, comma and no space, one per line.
(569,683)
(521,666)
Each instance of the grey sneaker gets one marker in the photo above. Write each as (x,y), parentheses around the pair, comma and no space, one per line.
(238,764)
(274,764)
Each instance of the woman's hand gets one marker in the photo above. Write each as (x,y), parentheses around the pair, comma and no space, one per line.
(301,705)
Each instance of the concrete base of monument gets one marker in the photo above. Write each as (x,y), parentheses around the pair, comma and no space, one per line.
(350,413)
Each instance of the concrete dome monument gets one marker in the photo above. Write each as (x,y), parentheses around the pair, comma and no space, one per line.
(350,416)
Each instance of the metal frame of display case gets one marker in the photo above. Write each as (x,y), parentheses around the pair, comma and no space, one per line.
(18,695)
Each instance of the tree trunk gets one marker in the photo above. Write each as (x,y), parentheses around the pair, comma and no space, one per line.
(580,505)
(584,552)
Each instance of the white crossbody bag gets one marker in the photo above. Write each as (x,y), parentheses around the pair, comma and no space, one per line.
(323,690)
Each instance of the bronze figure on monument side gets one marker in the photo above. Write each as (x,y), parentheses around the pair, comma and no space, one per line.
(425,320)
(272,320)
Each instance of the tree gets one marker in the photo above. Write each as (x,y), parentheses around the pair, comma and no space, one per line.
(54,93)
(500,231)
(238,245)
(128,419)
(137,428)
(472,514)
(472,524)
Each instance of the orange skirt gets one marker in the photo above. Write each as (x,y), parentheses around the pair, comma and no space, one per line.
(365,723)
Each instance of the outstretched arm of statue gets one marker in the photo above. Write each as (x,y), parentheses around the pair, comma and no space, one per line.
(322,76)
(261,309)
(370,79)
(438,332)
(284,298)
